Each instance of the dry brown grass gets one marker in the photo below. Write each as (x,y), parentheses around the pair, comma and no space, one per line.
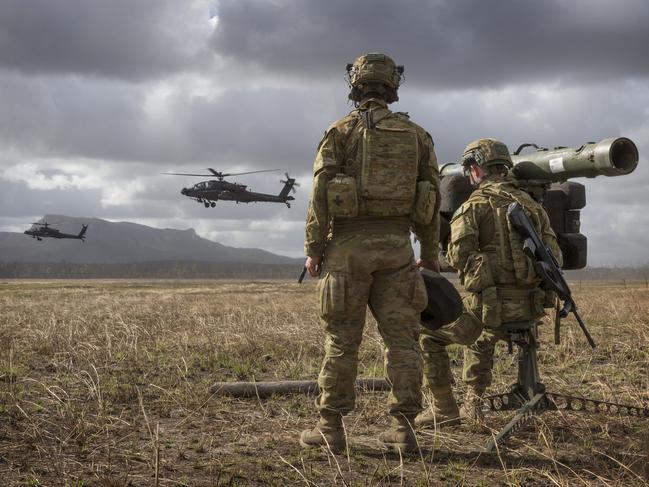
(107,383)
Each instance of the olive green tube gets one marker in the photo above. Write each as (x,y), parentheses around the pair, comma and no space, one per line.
(610,157)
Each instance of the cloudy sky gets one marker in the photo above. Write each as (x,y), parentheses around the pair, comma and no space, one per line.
(97,98)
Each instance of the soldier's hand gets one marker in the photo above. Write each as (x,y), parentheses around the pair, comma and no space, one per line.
(432,265)
(313,265)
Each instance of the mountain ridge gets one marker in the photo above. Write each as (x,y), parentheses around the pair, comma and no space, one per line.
(125,242)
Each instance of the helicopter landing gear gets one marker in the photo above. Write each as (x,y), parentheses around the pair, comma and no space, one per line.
(212,204)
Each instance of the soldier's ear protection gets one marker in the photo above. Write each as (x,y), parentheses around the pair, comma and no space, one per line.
(470,158)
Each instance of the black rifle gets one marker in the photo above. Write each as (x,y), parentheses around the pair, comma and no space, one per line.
(302,275)
(546,267)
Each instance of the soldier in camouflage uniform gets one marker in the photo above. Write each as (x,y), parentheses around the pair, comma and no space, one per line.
(375,179)
(501,280)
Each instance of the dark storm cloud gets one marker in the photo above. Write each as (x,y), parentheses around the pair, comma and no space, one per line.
(112,38)
(70,117)
(20,203)
(98,98)
(450,44)
(99,119)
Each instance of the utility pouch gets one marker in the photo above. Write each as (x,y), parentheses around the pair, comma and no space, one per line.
(537,303)
(341,196)
(424,207)
(477,273)
(333,294)
(491,307)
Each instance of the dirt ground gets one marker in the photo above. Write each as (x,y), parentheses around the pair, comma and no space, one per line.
(107,383)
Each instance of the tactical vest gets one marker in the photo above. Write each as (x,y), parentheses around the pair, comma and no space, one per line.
(502,278)
(511,265)
(383,179)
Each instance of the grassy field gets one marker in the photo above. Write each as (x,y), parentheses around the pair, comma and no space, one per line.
(107,383)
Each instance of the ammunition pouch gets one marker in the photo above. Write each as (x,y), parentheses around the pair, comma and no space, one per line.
(505,305)
(341,197)
(477,273)
(424,208)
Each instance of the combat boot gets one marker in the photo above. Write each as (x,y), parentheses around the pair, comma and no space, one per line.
(329,432)
(444,411)
(400,436)
(472,407)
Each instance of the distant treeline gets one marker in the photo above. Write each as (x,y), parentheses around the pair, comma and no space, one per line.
(232,270)
(148,270)
(610,273)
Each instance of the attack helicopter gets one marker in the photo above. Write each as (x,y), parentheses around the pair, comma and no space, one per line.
(45,230)
(209,192)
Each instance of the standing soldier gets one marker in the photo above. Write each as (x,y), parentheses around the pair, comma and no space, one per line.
(375,178)
(501,280)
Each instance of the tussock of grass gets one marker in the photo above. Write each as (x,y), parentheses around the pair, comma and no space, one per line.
(107,383)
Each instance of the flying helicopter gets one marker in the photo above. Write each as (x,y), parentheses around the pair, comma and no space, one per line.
(45,230)
(209,192)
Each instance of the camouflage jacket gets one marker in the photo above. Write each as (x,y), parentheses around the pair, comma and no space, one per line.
(480,230)
(340,151)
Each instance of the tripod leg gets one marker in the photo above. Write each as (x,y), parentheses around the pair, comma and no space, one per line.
(522,416)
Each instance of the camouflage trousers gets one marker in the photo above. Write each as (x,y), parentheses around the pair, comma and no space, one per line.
(479,360)
(378,270)
(480,344)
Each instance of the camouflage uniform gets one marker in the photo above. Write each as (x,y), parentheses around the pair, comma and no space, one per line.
(368,259)
(502,285)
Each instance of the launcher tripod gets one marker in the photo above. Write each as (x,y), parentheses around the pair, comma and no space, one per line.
(529,397)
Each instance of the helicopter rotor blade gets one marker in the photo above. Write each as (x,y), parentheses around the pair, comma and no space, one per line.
(213,172)
(247,172)
(185,174)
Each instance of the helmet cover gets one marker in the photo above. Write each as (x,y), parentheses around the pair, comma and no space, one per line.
(374,68)
(444,302)
(487,152)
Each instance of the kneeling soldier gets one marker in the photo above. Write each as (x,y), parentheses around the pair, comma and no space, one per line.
(502,283)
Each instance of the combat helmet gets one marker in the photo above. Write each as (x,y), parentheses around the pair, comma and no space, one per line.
(374,67)
(444,302)
(486,153)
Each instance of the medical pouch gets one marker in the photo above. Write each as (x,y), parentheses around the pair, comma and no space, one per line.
(341,196)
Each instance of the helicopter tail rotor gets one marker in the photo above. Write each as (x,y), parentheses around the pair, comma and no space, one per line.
(290,182)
